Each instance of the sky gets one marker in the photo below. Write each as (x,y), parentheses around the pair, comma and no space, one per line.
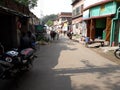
(47,7)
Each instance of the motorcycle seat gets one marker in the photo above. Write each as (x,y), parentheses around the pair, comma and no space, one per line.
(27,52)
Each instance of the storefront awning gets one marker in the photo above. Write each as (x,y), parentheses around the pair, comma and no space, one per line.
(97,17)
(77,20)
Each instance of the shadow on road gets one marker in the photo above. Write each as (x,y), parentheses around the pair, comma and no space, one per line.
(44,77)
(108,71)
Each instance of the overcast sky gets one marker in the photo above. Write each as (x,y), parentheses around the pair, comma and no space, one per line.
(47,7)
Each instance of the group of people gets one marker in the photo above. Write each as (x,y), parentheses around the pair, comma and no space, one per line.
(55,34)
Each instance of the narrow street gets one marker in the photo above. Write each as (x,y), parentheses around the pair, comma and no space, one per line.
(67,65)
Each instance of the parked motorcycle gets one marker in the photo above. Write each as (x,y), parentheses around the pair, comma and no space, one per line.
(117,52)
(15,61)
(69,34)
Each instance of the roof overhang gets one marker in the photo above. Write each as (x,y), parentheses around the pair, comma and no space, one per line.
(98,3)
(75,2)
(98,17)
(10,11)
(77,20)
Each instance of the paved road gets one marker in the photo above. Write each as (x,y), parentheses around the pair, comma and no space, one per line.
(67,65)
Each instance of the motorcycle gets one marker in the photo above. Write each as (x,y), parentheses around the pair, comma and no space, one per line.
(69,34)
(117,52)
(15,61)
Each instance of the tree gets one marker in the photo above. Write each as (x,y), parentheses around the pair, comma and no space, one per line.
(49,18)
(49,23)
(28,3)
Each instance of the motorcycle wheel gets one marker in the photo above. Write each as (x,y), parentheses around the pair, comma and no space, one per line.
(70,37)
(29,67)
(117,53)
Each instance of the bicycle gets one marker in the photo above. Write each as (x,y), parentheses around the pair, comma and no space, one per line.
(117,52)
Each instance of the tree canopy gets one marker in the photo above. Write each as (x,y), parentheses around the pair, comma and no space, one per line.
(48,18)
(28,3)
(49,23)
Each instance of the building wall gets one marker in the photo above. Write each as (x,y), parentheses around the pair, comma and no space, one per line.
(8,31)
(107,12)
(109,8)
(77,13)
(78,4)
(77,25)
(86,14)
(99,23)
(10,13)
(115,28)
(90,2)
(77,9)
(64,19)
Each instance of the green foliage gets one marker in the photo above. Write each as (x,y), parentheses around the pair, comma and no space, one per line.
(28,3)
(49,23)
(51,17)
(41,37)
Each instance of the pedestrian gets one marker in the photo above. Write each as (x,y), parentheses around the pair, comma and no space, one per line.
(57,34)
(87,40)
(32,38)
(25,41)
(53,34)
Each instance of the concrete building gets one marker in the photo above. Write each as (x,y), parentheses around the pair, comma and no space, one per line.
(99,16)
(64,20)
(77,14)
(33,21)
(14,20)
(12,17)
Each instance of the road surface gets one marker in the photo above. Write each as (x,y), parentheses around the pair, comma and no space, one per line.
(67,65)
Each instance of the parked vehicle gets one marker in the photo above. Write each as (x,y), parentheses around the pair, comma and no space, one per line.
(15,61)
(69,34)
(117,52)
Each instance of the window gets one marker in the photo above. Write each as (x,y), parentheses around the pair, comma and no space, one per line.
(73,12)
(77,25)
(77,10)
(81,11)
